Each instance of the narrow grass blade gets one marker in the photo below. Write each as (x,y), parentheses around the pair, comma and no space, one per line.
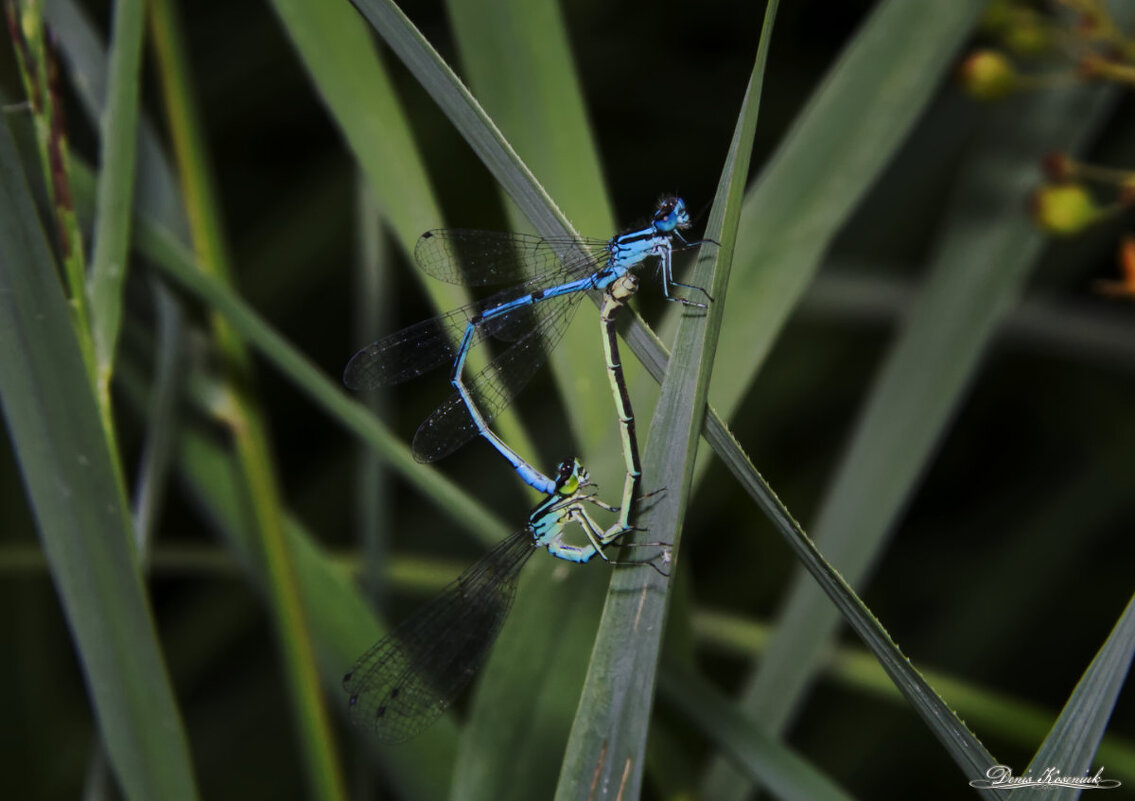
(466,114)
(550,131)
(86,57)
(766,761)
(522,709)
(165,249)
(605,756)
(340,616)
(106,280)
(1071,746)
(177,263)
(241,410)
(38,68)
(373,495)
(158,196)
(161,422)
(850,130)
(986,249)
(997,715)
(966,750)
(343,624)
(80,508)
(486,140)
(339,55)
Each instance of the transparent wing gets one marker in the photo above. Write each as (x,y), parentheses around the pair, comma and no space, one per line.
(481,258)
(431,343)
(493,388)
(409,677)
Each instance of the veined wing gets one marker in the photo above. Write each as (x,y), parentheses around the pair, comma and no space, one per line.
(431,343)
(480,258)
(493,388)
(409,677)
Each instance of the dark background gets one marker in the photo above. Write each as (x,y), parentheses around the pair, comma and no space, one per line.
(1038,457)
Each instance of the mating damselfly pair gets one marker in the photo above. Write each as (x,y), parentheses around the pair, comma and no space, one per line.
(409,677)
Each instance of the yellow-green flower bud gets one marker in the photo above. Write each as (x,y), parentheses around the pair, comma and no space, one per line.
(988,75)
(1064,209)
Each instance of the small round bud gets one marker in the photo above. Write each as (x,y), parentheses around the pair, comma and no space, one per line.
(1064,209)
(988,75)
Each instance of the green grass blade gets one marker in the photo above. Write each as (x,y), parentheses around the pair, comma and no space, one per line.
(766,761)
(839,145)
(525,700)
(38,70)
(342,621)
(177,263)
(106,280)
(240,409)
(161,422)
(533,94)
(339,55)
(373,496)
(505,165)
(158,196)
(340,615)
(963,746)
(534,666)
(86,57)
(997,715)
(82,517)
(986,249)
(466,114)
(605,756)
(1072,744)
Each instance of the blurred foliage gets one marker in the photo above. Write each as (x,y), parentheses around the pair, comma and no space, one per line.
(1006,568)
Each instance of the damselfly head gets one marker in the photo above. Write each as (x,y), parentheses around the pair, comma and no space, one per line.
(571,476)
(671,215)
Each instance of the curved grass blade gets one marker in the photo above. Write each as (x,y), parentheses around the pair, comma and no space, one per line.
(343,620)
(159,245)
(107,277)
(342,61)
(81,512)
(605,756)
(985,251)
(551,132)
(765,760)
(1072,744)
(839,145)
(345,66)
